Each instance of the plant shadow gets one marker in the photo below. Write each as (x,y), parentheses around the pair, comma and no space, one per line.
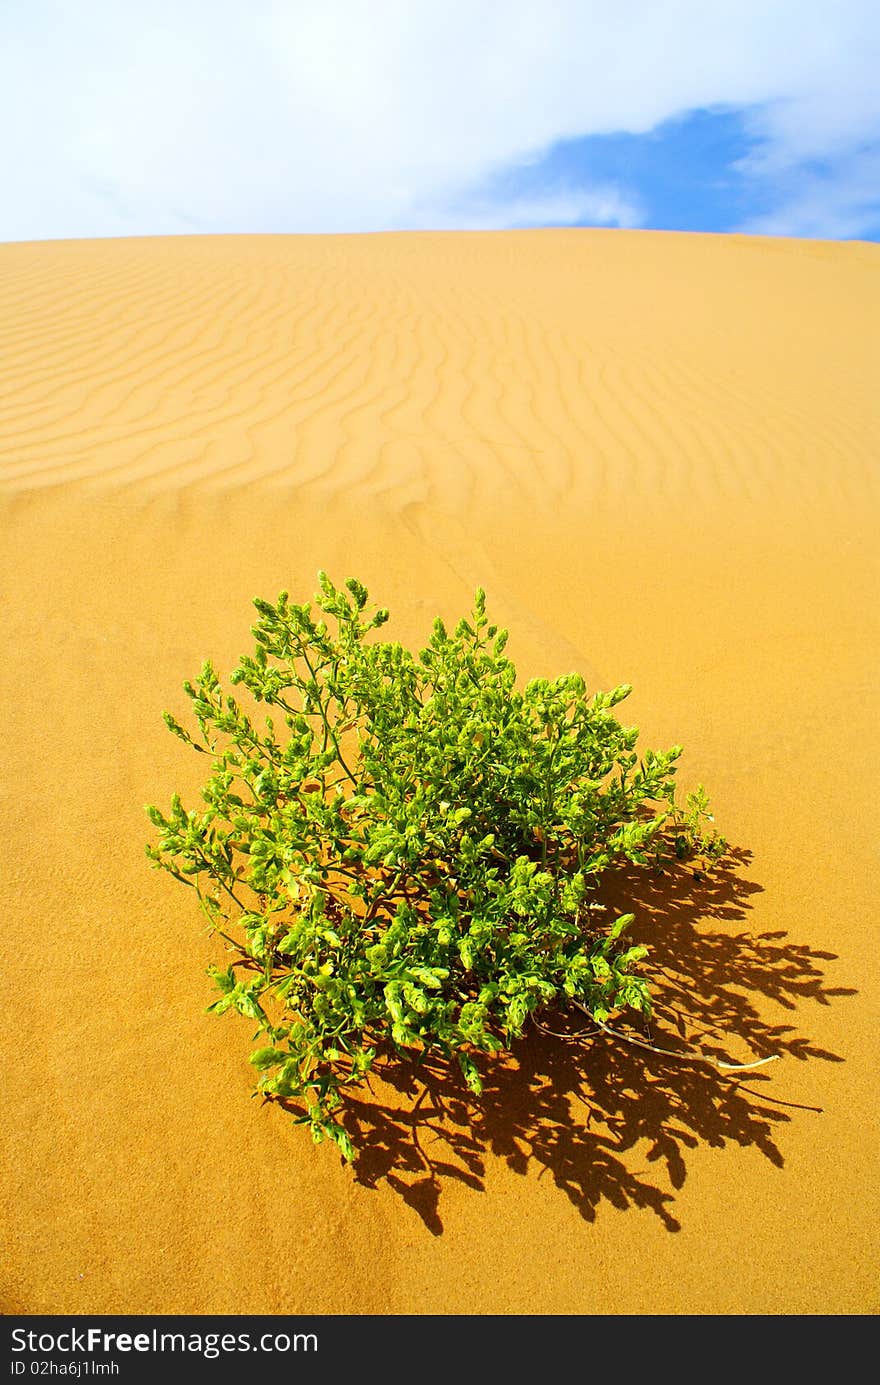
(596,1113)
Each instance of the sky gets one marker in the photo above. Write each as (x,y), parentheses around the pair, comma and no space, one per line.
(173,117)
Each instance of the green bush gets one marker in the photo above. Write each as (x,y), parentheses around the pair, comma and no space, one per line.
(411,862)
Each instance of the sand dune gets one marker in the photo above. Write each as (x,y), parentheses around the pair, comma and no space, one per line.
(658,453)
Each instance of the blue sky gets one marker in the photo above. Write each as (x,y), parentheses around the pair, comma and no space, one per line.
(168,117)
(681,176)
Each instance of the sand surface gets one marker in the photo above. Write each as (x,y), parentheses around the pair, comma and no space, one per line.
(659,455)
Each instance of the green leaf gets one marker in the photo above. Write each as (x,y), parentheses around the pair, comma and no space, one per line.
(622,923)
(342,1140)
(470,1072)
(263,1058)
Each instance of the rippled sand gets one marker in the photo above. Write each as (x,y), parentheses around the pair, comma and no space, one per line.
(659,455)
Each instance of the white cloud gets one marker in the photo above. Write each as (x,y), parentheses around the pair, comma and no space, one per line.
(597,205)
(841,202)
(164,116)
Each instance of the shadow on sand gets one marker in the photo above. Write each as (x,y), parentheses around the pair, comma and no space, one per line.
(595,1113)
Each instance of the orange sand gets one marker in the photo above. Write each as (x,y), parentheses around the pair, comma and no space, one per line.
(659,455)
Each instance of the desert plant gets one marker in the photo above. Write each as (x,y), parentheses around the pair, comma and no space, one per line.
(411,863)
